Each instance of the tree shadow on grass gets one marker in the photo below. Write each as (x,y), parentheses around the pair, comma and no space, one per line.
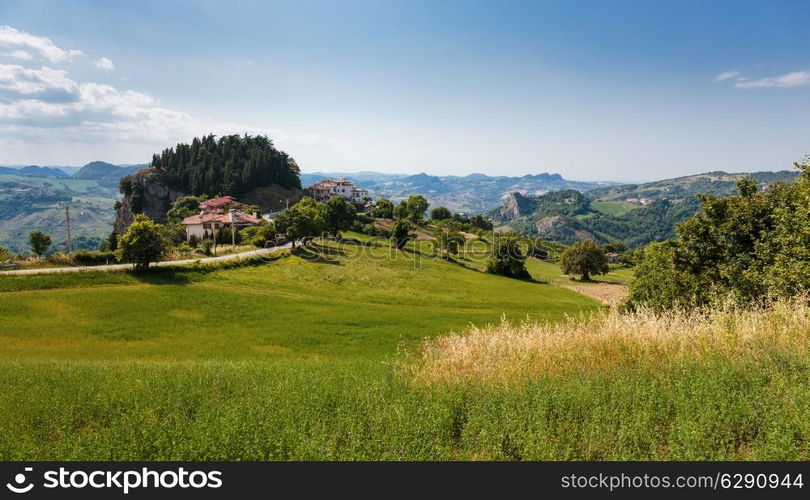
(318,254)
(189,273)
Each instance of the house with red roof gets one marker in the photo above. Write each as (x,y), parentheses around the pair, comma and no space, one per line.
(218,213)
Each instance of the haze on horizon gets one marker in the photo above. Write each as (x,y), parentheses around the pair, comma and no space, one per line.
(620,90)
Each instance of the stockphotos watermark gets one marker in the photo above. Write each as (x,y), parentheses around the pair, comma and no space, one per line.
(472,250)
(116,480)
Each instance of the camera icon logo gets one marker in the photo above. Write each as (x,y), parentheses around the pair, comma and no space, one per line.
(19,479)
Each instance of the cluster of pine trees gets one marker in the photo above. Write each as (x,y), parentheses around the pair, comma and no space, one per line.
(232,164)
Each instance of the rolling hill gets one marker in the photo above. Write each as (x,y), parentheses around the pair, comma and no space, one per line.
(470,194)
(634,214)
(106,174)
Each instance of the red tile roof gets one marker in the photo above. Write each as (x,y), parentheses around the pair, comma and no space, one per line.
(219,202)
(239,218)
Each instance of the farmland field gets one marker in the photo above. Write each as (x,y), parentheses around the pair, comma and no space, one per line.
(616,208)
(305,357)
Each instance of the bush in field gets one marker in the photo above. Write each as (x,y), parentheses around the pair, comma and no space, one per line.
(110,244)
(338,215)
(415,208)
(258,236)
(751,246)
(184,207)
(206,246)
(449,238)
(383,209)
(401,233)
(584,258)
(400,211)
(143,242)
(304,219)
(91,257)
(507,258)
(39,242)
(5,254)
(440,213)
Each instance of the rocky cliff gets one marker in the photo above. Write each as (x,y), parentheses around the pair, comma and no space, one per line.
(515,206)
(555,228)
(153,199)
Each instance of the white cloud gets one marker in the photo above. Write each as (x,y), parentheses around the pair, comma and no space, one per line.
(104,64)
(727,75)
(27,47)
(794,79)
(44,84)
(43,106)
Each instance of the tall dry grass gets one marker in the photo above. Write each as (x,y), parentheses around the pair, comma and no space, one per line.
(508,354)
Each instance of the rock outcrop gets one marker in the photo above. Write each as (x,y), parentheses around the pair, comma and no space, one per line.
(516,205)
(154,201)
(555,228)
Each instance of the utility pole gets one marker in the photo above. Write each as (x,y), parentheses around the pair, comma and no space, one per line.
(233,228)
(67,225)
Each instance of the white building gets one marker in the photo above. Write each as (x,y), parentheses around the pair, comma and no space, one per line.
(329,188)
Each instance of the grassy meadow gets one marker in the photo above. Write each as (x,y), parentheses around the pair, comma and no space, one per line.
(325,355)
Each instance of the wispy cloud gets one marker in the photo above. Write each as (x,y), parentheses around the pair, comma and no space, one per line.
(104,64)
(741,81)
(27,47)
(727,75)
(794,79)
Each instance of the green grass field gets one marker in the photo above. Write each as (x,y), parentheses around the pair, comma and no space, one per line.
(615,208)
(301,358)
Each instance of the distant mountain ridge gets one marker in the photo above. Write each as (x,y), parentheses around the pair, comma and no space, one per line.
(106,174)
(35,171)
(634,214)
(471,193)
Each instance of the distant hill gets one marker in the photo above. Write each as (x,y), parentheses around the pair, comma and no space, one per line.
(28,203)
(106,174)
(472,193)
(35,171)
(634,214)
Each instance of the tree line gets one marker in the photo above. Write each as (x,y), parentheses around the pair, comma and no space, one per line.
(231,164)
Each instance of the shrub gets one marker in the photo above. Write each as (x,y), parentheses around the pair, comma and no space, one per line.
(400,233)
(584,258)
(92,257)
(5,254)
(440,213)
(507,258)
(142,243)
(39,242)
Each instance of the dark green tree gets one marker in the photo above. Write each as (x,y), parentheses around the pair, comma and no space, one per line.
(449,238)
(507,258)
(39,242)
(401,233)
(183,207)
(440,213)
(143,242)
(302,220)
(383,209)
(401,210)
(339,215)
(584,258)
(416,206)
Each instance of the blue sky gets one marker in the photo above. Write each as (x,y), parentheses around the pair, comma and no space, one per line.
(599,90)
